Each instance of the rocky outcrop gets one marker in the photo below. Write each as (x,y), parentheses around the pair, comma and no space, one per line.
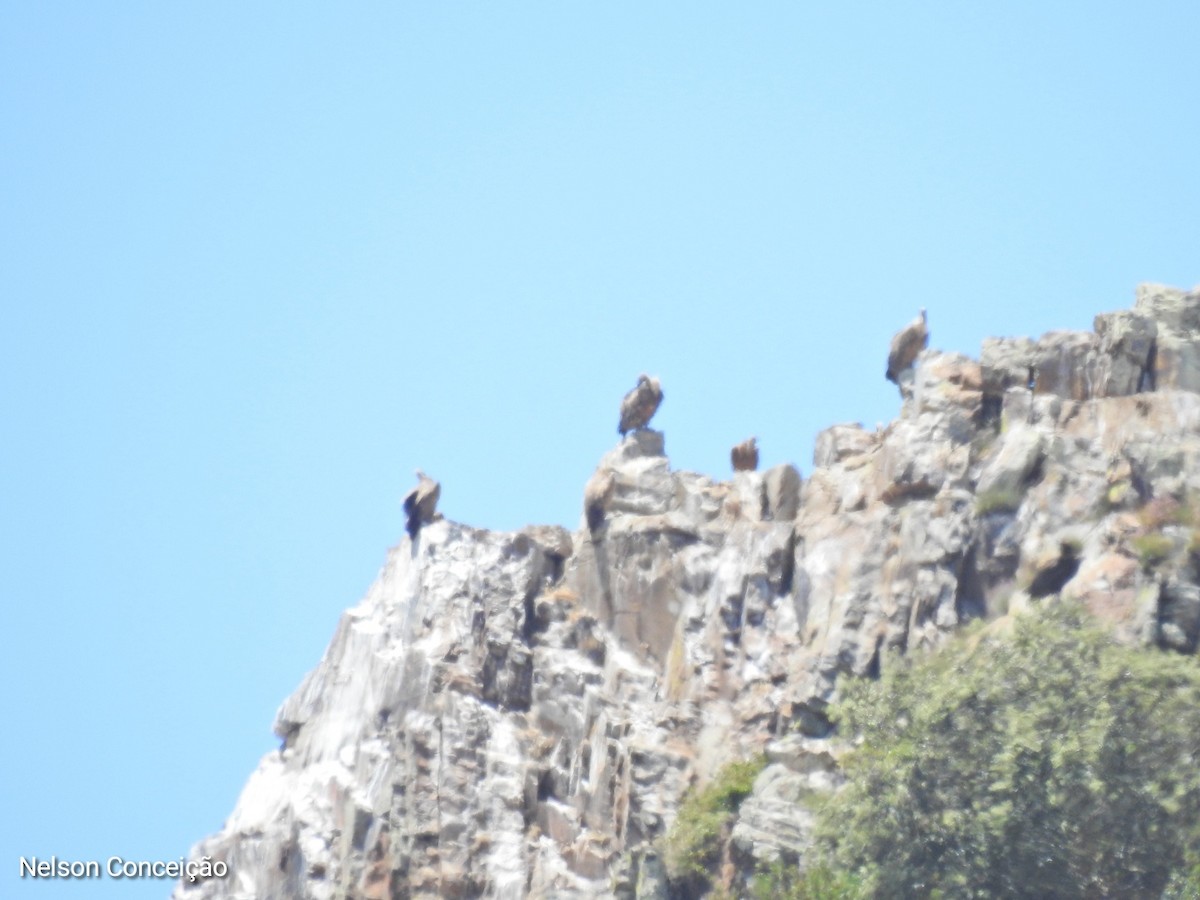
(519,714)
(1156,345)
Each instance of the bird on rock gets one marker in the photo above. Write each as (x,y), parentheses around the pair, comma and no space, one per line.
(744,456)
(906,345)
(640,404)
(420,505)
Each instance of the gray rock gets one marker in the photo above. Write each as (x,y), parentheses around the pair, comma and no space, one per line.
(1174,309)
(781,493)
(1067,365)
(776,821)
(841,442)
(1127,346)
(1012,464)
(521,714)
(1007,363)
(1177,363)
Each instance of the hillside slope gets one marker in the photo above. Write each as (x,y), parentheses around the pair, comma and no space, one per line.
(519,714)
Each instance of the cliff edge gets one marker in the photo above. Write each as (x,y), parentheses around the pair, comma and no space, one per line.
(519,714)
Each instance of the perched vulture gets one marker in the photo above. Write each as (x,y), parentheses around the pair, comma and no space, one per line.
(906,345)
(1050,579)
(745,456)
(640,404)
(421,503)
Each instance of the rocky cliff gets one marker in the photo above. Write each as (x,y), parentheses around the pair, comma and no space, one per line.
(519,714)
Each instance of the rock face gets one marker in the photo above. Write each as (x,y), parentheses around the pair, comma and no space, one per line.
(519,714)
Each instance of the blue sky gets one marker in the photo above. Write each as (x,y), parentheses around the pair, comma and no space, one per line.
(258,262)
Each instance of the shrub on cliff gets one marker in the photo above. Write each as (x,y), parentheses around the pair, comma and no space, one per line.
(694,843)
(1048,762)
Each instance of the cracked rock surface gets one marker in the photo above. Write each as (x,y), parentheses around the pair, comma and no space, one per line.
(519,714)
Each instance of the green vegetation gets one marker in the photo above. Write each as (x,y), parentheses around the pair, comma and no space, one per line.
(1183,885)
(1156,514)
(819,882)
(999,500)
(1152,548)
(999,602)
(1048,762)
(693,845)
(1118,495)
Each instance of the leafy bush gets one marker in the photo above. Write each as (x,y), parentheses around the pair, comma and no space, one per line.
(818,882)
(1048,763)
(693,845)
